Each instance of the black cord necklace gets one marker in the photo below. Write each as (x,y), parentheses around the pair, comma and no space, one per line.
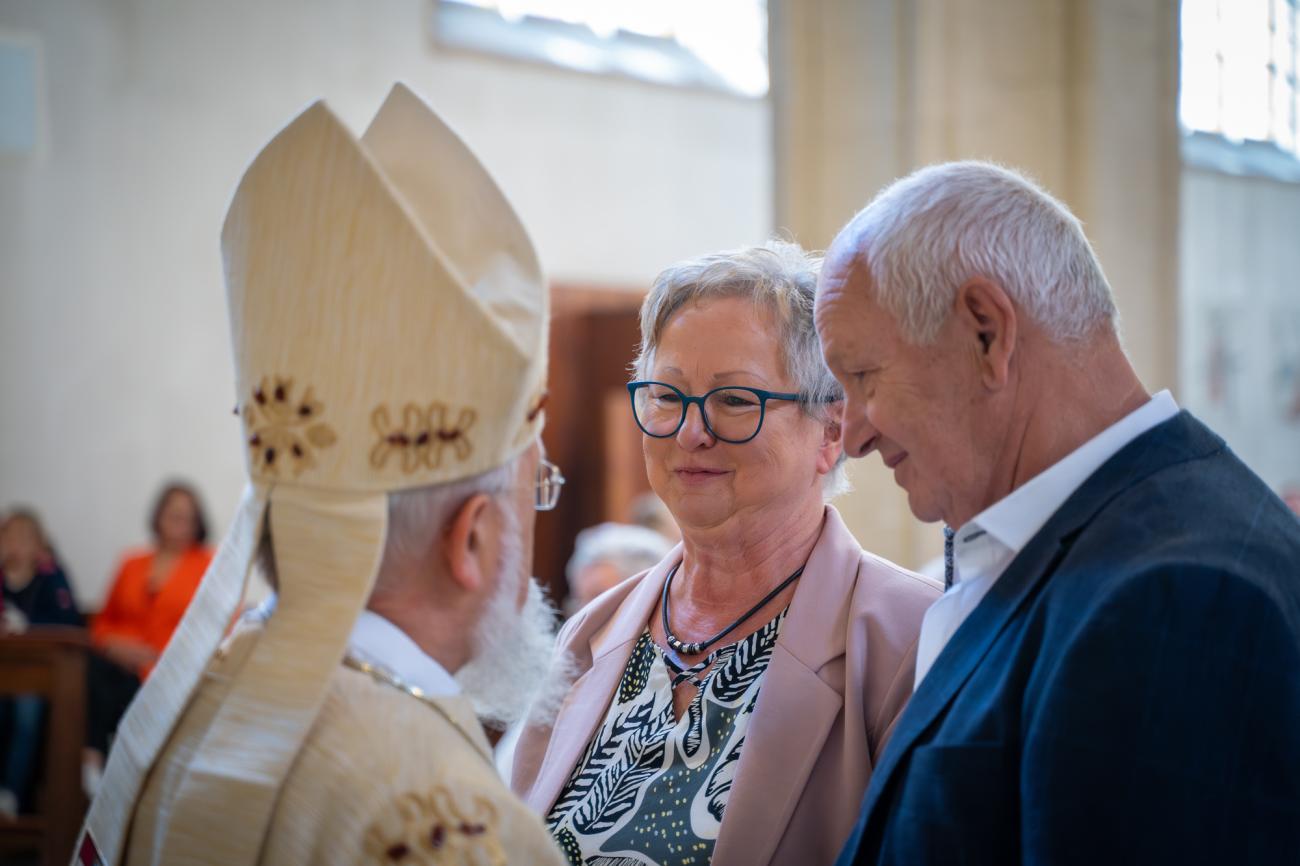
(695,648)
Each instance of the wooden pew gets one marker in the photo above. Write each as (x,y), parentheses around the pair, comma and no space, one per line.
(50,662)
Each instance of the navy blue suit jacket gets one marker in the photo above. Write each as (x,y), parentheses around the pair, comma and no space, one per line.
(1127,692)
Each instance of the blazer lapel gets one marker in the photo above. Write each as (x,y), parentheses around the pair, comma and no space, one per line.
(796,709)
(1177,440)
(785,737)
(592,693)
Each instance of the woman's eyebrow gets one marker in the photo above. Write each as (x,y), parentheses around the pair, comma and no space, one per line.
(727,374)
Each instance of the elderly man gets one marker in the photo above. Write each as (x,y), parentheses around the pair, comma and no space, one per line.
(1114,674)
(389,324)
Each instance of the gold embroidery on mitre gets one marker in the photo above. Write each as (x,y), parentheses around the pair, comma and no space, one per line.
(421,437)
(436,827)
(285,431)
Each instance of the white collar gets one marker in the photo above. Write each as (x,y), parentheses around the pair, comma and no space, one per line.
(1017,517)
(377,641)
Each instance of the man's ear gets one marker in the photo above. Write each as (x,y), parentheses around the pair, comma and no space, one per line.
(832,444)
(463,540)
(988,316)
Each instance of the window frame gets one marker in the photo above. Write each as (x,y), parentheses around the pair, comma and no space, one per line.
(656,60)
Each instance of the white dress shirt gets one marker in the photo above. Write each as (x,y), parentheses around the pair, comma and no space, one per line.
(377,641)
(984,547)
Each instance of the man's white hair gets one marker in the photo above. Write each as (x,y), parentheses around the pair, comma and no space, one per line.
(416,516)
(924,236)
(514,665)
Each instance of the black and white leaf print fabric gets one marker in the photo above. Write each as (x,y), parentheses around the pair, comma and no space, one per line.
(614,792)
(637,671)
(604,752)
(719,785)
(650,789)
(749,663)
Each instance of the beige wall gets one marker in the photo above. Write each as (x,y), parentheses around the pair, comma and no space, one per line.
(1240,322)
(114,359)
(1079,93)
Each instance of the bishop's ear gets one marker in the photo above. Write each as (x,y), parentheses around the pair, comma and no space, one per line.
(463,543)
(989,319)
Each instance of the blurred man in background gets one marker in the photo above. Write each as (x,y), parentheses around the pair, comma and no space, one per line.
(608,554)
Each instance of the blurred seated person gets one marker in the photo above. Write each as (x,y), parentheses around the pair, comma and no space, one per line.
(35,593)
(606,555)
(145,604)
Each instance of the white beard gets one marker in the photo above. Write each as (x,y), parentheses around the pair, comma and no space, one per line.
(515,670)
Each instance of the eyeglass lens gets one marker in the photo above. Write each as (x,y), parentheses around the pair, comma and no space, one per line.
(549,484)
(731,413)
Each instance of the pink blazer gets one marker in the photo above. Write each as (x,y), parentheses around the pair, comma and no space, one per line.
(840,674)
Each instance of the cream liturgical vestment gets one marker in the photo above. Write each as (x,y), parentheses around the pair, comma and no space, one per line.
(389,321)
(382,777)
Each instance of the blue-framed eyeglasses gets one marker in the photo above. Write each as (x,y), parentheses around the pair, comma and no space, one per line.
(732,414)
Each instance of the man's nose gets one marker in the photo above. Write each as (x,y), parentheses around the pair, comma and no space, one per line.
(694,433)
(860,437)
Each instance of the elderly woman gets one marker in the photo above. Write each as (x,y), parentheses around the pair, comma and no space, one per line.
(148,597)
(731,701)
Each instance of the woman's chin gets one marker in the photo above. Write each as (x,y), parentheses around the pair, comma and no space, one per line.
(697,512)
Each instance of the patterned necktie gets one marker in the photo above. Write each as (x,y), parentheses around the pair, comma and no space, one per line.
(947,557)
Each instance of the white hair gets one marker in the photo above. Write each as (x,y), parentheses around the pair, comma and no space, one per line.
(516,669)
(513,665)
(630,549)
(778,276)
(924,236)
(416,516)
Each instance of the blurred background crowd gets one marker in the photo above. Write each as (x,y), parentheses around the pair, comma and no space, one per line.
(629,134)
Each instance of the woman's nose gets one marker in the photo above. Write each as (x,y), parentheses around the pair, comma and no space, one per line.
(693,433)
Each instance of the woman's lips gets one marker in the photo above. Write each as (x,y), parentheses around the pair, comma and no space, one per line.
(898,458)
(699,475)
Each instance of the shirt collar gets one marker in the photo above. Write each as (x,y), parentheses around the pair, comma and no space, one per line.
(1017,517)
(377,641)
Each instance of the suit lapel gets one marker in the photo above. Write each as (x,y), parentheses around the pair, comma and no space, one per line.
(963,654)
(1175,441)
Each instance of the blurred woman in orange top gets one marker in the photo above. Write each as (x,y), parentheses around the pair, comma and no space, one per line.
(147,600)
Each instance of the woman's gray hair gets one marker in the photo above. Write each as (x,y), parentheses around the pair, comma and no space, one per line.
(780,277)
(924,236)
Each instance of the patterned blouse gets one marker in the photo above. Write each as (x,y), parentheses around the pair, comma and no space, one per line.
(650,790)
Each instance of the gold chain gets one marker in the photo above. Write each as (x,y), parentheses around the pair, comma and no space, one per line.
(383,677)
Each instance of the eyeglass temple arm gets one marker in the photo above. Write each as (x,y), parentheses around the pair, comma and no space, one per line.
(802,398)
